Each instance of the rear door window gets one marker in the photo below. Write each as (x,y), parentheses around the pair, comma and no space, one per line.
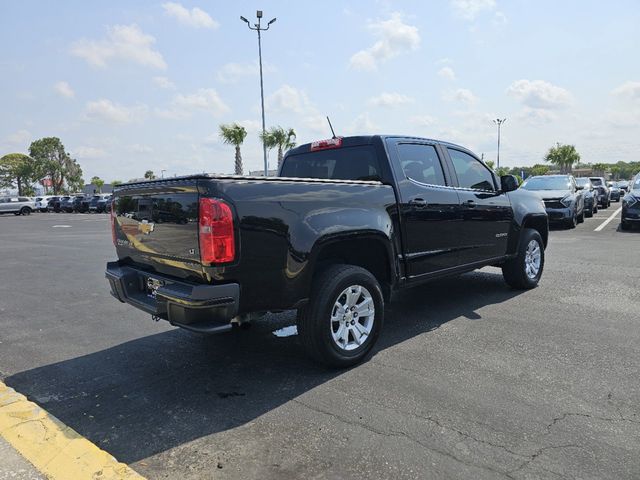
(420,163)
(349,163)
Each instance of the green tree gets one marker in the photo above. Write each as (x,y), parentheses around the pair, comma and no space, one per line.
(599,169)
(20,170)
(563,156)
(98,182)
(234,134)
(115,183)
(539,169)
(281,138)
(491,164)
(149,175)
(54,162)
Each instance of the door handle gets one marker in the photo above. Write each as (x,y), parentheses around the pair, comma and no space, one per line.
(418,202)
(470,204)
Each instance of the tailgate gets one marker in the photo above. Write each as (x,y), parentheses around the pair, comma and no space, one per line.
(156,226)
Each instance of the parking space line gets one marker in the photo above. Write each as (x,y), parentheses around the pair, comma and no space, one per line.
(53,448)
(606,222)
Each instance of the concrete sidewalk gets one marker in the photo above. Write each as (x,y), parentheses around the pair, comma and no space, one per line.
(13,466)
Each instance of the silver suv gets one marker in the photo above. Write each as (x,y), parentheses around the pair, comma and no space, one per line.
(17,205)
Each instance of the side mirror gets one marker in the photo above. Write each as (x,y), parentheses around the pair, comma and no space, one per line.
(508,183)
(579,187)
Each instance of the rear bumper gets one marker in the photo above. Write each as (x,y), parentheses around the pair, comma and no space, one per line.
(202,308)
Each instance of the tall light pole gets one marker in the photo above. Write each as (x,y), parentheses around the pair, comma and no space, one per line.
(258,28)
(499,122)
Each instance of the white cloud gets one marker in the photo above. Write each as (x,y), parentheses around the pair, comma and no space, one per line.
(123,42)
(394,38)
(390,100)
(204,100)
(422,120)
(251,126)
(536,116)
(64,90)
(232,72)
(363,125)
(462,95)
(499,19)
(163,82)
(106,110)
(539,94)
(628,90)
(18,138)
(138,148)
(288,99)
(196,17)
(317,123)
(470,9)
(447,73)
(88,152)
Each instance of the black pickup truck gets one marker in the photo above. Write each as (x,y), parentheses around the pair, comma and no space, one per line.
(347,222)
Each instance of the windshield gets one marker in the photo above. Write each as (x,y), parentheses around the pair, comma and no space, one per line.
(584,182)
(547,183)
(350,163)
(636,183)
(596,181)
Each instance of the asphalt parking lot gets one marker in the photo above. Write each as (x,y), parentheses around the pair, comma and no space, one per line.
(469,379)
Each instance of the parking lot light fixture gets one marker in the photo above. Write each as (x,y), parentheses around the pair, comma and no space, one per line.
(499,122)
(258,28)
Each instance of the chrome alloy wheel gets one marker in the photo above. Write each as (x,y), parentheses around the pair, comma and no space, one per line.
(532,259)
(352,317)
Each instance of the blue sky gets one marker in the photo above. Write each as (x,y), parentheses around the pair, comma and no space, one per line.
(132,86)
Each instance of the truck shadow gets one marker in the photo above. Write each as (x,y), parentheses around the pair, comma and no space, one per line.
(155,393)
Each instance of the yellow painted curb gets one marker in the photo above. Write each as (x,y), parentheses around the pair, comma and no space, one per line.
(53,448)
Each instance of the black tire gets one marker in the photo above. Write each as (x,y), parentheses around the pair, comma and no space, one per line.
(589,213)
(595,207)
(514,271)
(581,217)
(314,321)
(25,211)
(573,221)
(625,225)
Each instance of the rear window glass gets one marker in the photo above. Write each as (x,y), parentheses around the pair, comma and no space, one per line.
(596,181)
(350,163)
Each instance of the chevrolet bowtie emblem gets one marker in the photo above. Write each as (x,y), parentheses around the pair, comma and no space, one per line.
(145,227)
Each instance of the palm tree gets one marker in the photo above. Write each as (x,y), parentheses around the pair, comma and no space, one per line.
(234,134)
(281,138)
(563,156)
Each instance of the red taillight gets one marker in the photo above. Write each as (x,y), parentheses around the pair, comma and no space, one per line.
(326,144)
(113,221)
(217,241)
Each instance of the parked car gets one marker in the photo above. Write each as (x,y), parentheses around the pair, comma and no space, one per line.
(79,204)
(615,194)
(17,205)
(96,202)
(563,198)
(631,205)
(624,186)
(347,222)
(54,204)
(603,191)
(66,204)
(104,204)
(42,203)
(590,196)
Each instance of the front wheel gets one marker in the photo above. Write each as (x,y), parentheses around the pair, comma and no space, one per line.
(524,271)
(581,217)
(344,316)
(25,211)
(625,225)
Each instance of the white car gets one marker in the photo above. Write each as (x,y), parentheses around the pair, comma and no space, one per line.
(17,205)
(42,203)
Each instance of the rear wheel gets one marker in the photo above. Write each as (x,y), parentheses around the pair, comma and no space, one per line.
(524,271)
(344,316)
(25,211)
